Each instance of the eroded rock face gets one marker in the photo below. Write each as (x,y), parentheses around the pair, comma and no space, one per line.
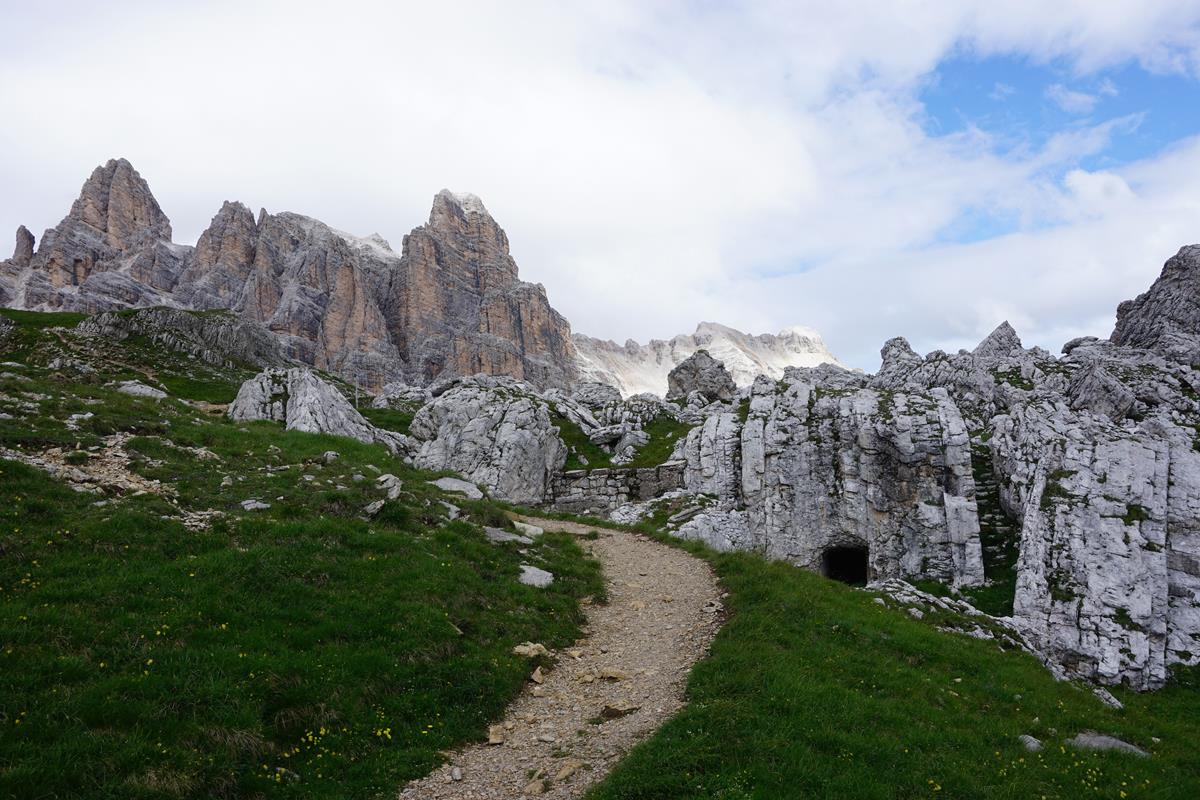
(23,253)
(456,306)
(825,464)
(304,402)
(1095,458)
(495,432)
(215,338)
(701,373)
(1094,500)
(113,250)
(449,304)
(1166,319)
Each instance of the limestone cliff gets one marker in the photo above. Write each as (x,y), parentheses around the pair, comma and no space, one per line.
(450,303)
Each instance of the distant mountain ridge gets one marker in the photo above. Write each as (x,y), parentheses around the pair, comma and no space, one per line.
(635,368)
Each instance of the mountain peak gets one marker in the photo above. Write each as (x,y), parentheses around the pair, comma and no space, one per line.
(464,202)
(117,201)
(1000,342)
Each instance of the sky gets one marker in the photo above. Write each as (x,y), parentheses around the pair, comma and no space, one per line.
(867,169)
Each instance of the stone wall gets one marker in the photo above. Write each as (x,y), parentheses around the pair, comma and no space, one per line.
(599,491)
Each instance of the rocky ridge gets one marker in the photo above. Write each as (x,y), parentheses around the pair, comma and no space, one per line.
(450,303)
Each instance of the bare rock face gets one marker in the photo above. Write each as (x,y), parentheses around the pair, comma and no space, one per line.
(1000,343)
(215,338)
(704,374)
(113,250)
(456,307)
(221,266)
(1166,319)
(983,382)
(822,474)
(23,253)
(1094,586)
(450,304)
(496,432)
(305,402)
(319,294)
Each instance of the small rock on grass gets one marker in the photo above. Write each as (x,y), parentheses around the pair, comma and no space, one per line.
(1090,740)
(527,529)
(459,486)
(254,505)
(1031,744)
(533,576)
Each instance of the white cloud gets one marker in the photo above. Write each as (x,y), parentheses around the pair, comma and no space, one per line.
(653,164)
(1071,101)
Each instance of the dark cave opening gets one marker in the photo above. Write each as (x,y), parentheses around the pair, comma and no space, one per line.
(846,564)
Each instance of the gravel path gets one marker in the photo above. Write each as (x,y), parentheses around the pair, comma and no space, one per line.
(607,692)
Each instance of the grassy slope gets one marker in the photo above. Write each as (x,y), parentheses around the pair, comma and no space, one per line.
(814,690)
(664,431)
(138,659)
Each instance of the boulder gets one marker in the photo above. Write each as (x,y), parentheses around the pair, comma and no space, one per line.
(304,402)
(458,486)
(138,389)
(495,432)
(535,576)
(702,373)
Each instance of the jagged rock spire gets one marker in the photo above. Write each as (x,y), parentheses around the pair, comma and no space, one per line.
(117,201)
(24,249)
(1000,342)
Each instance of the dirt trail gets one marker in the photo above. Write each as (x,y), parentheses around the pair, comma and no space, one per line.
(608,691)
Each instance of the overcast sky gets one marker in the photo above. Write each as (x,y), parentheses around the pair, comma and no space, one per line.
(866,169)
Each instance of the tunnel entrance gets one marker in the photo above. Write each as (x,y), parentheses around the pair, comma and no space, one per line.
(845,564)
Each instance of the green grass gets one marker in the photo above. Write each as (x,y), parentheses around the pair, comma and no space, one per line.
(43,319)
(813,690)
(664,431)
(391,419)
(139,659)
(999,538)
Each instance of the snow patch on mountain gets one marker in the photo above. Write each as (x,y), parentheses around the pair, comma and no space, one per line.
(635,368)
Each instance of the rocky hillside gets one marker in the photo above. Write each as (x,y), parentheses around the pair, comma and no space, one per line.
(449,303)
(636,368)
